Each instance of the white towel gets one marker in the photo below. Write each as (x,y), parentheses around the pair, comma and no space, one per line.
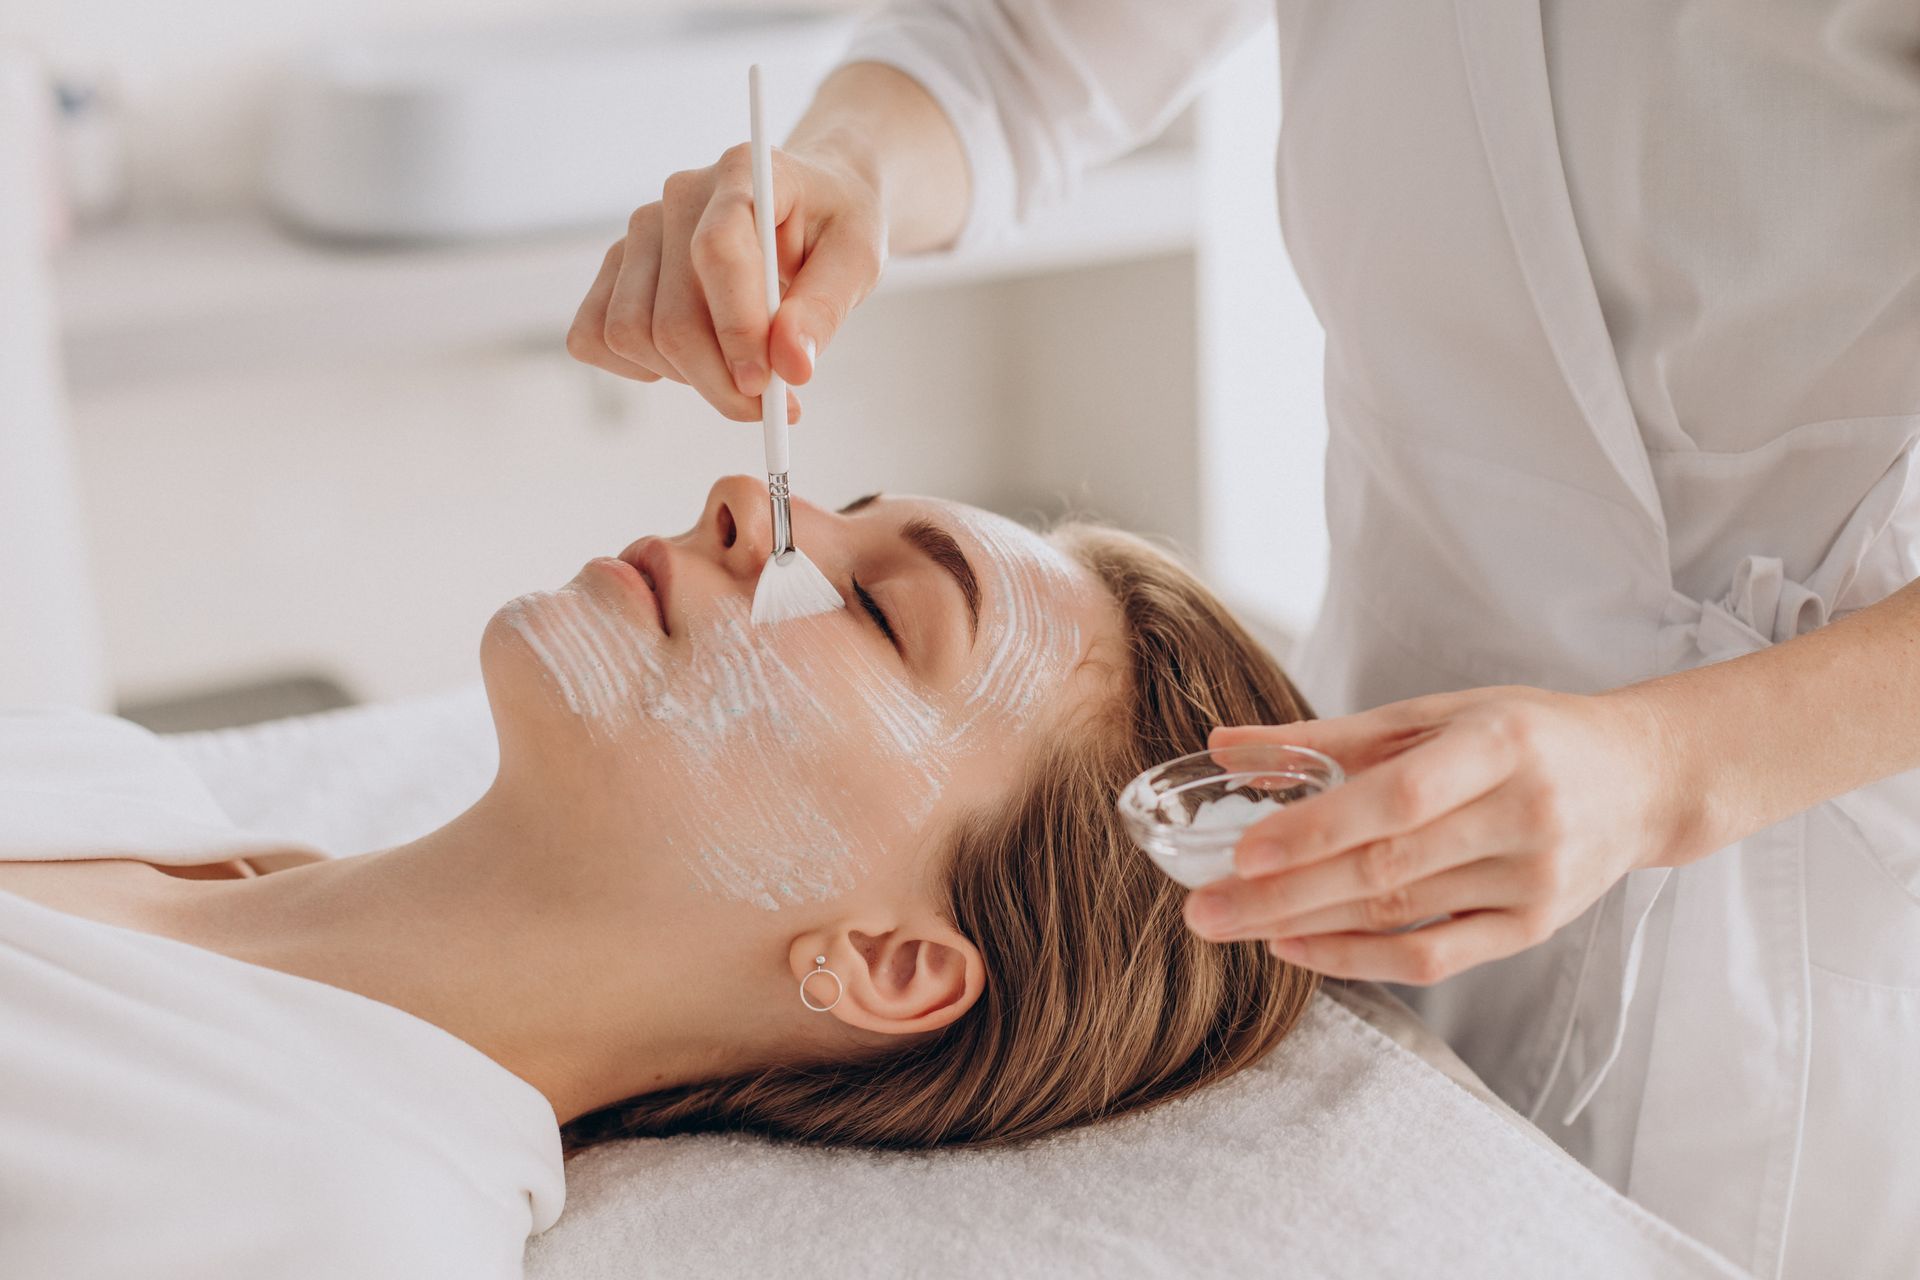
(1342,1155)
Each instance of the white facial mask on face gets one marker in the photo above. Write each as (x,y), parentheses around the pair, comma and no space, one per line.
(743,707)
(1030,635)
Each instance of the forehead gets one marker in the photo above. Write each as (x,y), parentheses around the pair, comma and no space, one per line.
(1041,610)
(1006,544)
(1029,570)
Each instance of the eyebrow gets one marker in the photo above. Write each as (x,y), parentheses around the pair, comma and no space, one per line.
(938,546)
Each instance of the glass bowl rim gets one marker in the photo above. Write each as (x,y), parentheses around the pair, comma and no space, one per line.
(1335,774)
(1131,805)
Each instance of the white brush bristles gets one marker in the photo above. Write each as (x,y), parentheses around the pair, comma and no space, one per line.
(792,587)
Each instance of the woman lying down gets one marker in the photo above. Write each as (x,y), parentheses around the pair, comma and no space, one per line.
(854,878)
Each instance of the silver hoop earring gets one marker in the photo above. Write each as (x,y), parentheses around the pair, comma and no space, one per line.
(820,969)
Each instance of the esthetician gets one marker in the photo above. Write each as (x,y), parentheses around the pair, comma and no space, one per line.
(1622,305)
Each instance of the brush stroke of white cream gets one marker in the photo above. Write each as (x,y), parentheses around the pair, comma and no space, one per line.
(738,708)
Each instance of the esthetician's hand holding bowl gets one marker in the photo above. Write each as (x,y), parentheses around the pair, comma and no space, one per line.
(1510,810)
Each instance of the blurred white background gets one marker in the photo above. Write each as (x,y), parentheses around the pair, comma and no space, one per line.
(304,469)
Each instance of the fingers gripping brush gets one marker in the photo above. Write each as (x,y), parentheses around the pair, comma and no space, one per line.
(790,586)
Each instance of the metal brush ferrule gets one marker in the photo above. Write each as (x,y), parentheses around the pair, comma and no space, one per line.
(782,513)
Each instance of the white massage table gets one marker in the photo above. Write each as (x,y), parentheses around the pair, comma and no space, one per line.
(1361,1147)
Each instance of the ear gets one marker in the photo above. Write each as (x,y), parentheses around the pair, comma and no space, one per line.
(918,975)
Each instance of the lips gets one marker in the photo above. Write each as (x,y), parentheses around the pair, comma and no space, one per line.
(655,563)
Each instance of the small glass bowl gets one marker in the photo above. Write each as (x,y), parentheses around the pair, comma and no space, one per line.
(1188,814)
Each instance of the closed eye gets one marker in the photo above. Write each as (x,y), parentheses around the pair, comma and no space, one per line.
(875,612)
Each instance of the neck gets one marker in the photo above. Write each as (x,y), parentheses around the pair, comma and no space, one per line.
(547,962)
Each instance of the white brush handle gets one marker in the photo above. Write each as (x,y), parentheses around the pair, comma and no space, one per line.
(773,401)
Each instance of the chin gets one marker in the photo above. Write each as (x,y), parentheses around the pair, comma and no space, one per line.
(520,689)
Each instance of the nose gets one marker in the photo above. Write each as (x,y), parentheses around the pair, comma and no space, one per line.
(736,528)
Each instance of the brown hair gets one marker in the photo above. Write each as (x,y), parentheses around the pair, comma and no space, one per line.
(1098,999)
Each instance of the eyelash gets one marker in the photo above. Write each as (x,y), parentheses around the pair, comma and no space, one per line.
(874,611)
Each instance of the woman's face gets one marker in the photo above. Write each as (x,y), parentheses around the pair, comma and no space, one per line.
(767,767)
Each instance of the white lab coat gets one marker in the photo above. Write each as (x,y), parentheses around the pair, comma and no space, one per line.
(1731,1043)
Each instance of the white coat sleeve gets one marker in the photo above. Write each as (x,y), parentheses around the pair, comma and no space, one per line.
(1038,90)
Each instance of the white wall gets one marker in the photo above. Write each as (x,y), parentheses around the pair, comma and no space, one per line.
(1262,442)
(1100,386)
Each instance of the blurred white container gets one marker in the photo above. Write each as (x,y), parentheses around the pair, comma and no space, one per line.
(461,135)
(50,646)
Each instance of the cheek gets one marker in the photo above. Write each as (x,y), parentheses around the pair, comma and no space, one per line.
(826,768)
(779,829)
(768,765)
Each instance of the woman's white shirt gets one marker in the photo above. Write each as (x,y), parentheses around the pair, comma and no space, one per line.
(1742,177)
(167,1111)
(1622,305)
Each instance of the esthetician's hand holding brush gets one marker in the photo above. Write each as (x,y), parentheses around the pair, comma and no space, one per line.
(873,165)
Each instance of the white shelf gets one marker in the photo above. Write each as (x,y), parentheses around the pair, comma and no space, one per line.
(162,300)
